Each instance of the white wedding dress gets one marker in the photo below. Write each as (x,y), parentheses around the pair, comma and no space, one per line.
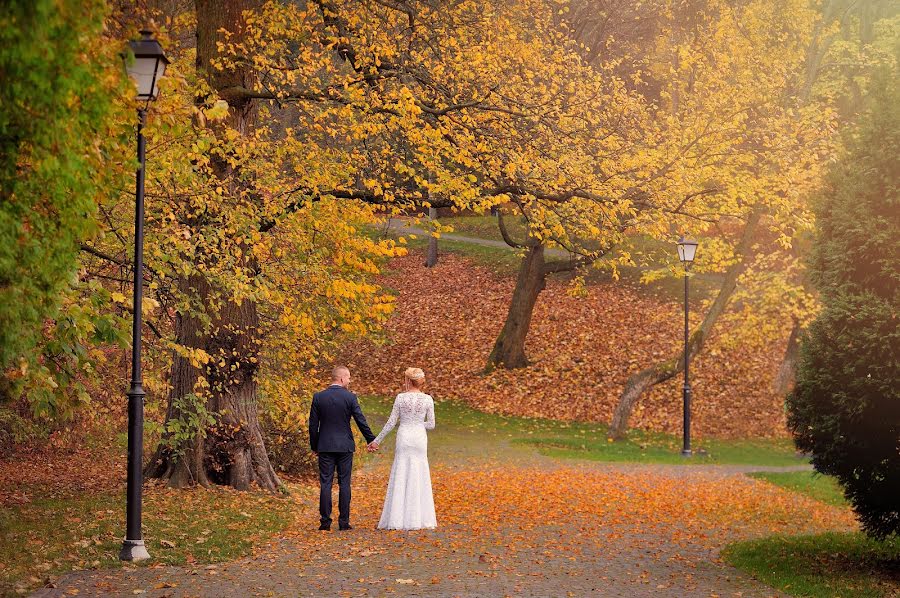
(409,503)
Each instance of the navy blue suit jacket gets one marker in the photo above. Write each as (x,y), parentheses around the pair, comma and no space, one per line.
(329,421)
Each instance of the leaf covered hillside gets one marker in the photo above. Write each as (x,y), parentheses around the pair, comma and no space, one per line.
(582,350)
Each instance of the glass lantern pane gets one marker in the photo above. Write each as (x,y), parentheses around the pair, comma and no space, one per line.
(142,71)
(689,250)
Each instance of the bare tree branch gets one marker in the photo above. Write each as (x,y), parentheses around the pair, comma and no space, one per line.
(507,238)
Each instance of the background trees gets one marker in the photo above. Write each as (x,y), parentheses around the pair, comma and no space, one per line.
(286,131)
(724,145)
(763,292)
(845,409)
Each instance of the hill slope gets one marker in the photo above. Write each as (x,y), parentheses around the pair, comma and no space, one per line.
(582,350)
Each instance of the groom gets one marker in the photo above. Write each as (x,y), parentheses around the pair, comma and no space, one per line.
(332,441)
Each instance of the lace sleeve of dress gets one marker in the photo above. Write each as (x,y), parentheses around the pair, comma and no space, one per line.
(391,422)
(429,414)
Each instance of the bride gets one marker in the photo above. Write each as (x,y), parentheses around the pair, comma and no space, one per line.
(409,503)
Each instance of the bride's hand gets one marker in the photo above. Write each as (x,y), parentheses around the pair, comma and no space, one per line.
(373,446)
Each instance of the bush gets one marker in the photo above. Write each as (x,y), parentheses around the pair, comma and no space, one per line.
(289,450)
(845,408)
(15,430)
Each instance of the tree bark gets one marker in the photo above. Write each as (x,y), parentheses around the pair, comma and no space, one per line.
(183,466)
(231,451)
(640,382)
(509,348)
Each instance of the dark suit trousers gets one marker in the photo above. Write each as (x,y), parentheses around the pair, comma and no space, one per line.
(328,462)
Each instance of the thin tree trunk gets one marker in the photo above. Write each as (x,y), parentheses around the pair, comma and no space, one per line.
(509,349)
(432,258)
(867,18)
(640,382)
(232,451)
(784,379)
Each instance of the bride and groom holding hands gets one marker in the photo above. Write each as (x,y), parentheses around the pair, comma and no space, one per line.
(408,502)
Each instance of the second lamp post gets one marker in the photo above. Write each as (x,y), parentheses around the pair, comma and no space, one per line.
(687,249)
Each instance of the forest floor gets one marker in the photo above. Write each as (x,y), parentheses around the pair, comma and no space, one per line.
(512,521)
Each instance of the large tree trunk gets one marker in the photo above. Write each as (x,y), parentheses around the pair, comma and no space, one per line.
(509,349)
(235,451)
(640,382)
(182,465)
(231,451)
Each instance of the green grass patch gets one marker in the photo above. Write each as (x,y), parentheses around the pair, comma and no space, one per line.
(651,447)
(459,423)
(832,564)
(485,227)
(820,487)
(503,261)
(48,537)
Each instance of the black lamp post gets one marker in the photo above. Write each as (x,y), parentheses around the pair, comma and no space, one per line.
(146,69)
(687,249)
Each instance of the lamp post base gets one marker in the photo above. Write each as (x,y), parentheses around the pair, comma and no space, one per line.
(133,550)
(687,453)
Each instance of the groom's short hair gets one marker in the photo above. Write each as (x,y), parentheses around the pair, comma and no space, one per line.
(339,371)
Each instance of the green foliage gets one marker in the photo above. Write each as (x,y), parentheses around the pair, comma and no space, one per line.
(845,409)
(55,109)
(70,352)
(846,565)
(192,420)
(14,429)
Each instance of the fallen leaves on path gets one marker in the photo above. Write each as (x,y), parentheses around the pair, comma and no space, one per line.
(582,351)
(499,519)
(507,529)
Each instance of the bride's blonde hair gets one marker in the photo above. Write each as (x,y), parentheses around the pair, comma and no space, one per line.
(415,376)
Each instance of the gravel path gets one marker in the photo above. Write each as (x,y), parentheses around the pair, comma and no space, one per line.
(627,530)
(511,523)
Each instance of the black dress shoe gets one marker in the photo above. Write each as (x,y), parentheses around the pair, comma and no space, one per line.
(345,527)
(324,528)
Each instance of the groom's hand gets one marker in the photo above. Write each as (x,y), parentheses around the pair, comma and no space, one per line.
(373,446)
